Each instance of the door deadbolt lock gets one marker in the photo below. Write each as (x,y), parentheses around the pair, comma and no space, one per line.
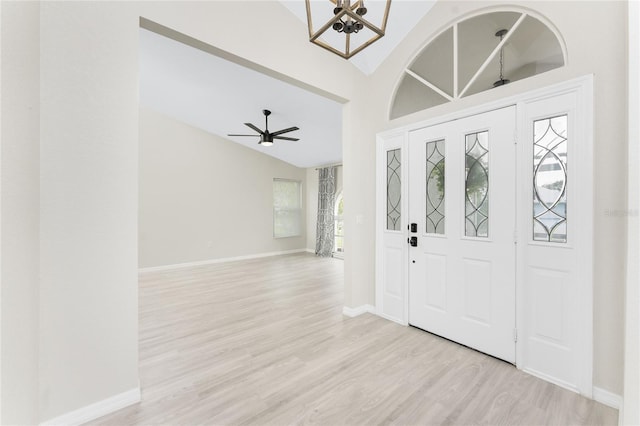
(413,241)
(414,227)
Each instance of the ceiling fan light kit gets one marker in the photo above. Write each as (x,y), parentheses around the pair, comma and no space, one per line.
(348,19)
(266,137)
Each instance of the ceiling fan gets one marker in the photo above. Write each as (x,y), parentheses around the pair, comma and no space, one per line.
(266,137)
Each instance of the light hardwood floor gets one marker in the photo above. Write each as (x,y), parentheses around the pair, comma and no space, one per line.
(265,342)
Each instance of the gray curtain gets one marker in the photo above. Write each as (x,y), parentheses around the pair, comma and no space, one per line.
(326,203)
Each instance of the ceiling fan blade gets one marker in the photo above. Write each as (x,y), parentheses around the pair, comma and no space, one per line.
(253,127)
(253,136)
(279,132)
(286,138)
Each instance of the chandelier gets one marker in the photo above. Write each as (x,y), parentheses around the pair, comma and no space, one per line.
(348,21)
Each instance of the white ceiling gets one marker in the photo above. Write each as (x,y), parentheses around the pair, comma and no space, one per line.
(218,96)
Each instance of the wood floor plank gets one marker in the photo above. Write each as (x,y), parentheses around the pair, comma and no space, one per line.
(264,342)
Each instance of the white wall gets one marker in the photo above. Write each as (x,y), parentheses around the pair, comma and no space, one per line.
(20,204)
(312,203)
(86,301)
(601,53)
(631,406)
(88,165)
(204,197)
(88,203)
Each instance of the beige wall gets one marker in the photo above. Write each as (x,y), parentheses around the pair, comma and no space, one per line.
(204,197)
(88,204)
(87,299)
(20,205)
(601,53)
(631,407)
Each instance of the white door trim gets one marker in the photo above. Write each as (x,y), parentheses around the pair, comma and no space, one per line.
(583,88)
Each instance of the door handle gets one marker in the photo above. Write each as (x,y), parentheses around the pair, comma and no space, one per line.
(413,241)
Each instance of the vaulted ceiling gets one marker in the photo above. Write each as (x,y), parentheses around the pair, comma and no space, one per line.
(218,96)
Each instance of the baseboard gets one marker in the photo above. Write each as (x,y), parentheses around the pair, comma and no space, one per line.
(392,319)
(310,251)
(607,398)
(551,379)
(359,310)
(97,409)
(214,261)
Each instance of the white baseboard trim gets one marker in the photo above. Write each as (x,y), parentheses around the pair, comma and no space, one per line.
(214,261)
(96,410)
(554,380)
(392,319)
(310,251)
(607,398)
(359,310)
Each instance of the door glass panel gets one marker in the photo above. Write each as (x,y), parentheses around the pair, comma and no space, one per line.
(550,179)
(477,185)
(435,187)
(393,190)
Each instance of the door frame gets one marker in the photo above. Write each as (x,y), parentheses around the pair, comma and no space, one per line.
(582,88)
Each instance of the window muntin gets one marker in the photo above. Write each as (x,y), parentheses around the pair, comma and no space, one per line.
(464,59)
(476,197)
(550,141)
(435,189)
(393,189)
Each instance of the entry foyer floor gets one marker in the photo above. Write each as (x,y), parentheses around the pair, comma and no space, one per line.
(264,342)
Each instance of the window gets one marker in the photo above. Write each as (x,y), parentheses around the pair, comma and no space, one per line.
(550,179)
(474,55)
(476,197)
(393,189)
(287,208)
(435,187)
(338,240)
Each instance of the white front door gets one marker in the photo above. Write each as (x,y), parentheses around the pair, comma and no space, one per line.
(462,200)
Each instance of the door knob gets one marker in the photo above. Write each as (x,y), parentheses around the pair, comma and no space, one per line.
(413,241)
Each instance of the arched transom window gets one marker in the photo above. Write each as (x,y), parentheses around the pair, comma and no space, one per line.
(477,54)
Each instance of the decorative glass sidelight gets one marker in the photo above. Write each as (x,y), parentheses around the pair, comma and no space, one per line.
(550,179)
(477,184)
(435,187)
(393,190)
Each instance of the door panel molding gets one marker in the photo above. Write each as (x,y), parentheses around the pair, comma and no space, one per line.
(581,228)
(479,308)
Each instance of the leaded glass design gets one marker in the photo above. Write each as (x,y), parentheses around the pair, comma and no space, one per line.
(550,179)
(477,184)
(393,190)
(435,187)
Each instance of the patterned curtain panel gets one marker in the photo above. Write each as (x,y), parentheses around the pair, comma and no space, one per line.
(326,202)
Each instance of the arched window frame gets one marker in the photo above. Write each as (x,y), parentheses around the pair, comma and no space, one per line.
(460,92)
